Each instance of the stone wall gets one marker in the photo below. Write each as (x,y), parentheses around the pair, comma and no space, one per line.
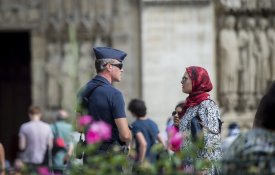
(175,34)
(62,35)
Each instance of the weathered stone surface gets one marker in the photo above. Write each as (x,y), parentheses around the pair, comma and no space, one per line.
(174,37)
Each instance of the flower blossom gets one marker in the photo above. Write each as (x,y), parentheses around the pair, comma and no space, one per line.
(85,120)
(176,141)
(43,170)
(175,138)
(172,130)
(98,131)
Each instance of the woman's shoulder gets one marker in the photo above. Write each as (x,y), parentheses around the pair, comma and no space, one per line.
(209,103)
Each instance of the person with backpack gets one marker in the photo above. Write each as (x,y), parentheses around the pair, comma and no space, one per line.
(62,143)
(101,100)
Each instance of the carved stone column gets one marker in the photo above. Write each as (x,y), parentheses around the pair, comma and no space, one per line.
(37,67)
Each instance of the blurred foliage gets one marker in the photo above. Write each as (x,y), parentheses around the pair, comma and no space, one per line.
(116,162)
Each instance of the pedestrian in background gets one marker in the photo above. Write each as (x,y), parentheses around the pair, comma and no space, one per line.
(175,115)
(63,130)
(35,137)
(145,132)
(170,122)
(233,132)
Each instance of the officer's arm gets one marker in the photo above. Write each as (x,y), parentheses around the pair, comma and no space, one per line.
(123,129)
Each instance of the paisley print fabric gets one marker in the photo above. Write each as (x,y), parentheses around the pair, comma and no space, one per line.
(209,113)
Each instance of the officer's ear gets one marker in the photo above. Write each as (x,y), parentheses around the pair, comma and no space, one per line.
(99,67)
(107,66)
(102,67)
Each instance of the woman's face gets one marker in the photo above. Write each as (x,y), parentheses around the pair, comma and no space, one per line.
(186,83)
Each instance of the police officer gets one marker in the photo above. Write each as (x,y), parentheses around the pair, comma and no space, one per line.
(103,101)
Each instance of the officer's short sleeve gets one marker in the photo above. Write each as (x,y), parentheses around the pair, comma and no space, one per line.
(118,106)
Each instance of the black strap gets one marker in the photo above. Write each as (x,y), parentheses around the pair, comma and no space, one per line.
(83,103)
(86,98)
(56,129)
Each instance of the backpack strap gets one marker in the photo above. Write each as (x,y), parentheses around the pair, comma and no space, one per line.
(83,102)
(56,134)
(86,97)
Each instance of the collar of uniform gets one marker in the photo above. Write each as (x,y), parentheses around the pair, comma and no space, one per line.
(101,79)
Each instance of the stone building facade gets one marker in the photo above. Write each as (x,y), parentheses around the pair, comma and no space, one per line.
(49,65)
(46,48)
(245,50)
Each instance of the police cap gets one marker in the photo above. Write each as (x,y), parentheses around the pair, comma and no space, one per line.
(108,52)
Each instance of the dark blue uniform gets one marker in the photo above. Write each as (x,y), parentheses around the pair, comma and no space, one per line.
(106,103)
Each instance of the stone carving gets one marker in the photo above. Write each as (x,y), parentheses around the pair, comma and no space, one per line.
(52,69)
(13,12)
(104,17)
(33,10)
(229,62)
(68,72)
(265,4)
(256,49)
(53,7)
(250,5)
(273,4)
(243,43)
(99,41)
(252,56)
(69,10)
(247,5)
(262,62)
(271,39)
(232,4)
(87,13)
(84,64)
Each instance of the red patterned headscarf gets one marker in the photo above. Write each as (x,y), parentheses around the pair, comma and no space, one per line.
(201,84)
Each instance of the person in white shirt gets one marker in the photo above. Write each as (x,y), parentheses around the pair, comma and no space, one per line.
(35,137)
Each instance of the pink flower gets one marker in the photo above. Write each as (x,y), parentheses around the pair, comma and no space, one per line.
(85,120)
(176,141)
(42,170)
(172,130)
(105,130)
(92,137)
(98,131)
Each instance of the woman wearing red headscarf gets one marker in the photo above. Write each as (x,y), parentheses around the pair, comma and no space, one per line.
(197,84)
